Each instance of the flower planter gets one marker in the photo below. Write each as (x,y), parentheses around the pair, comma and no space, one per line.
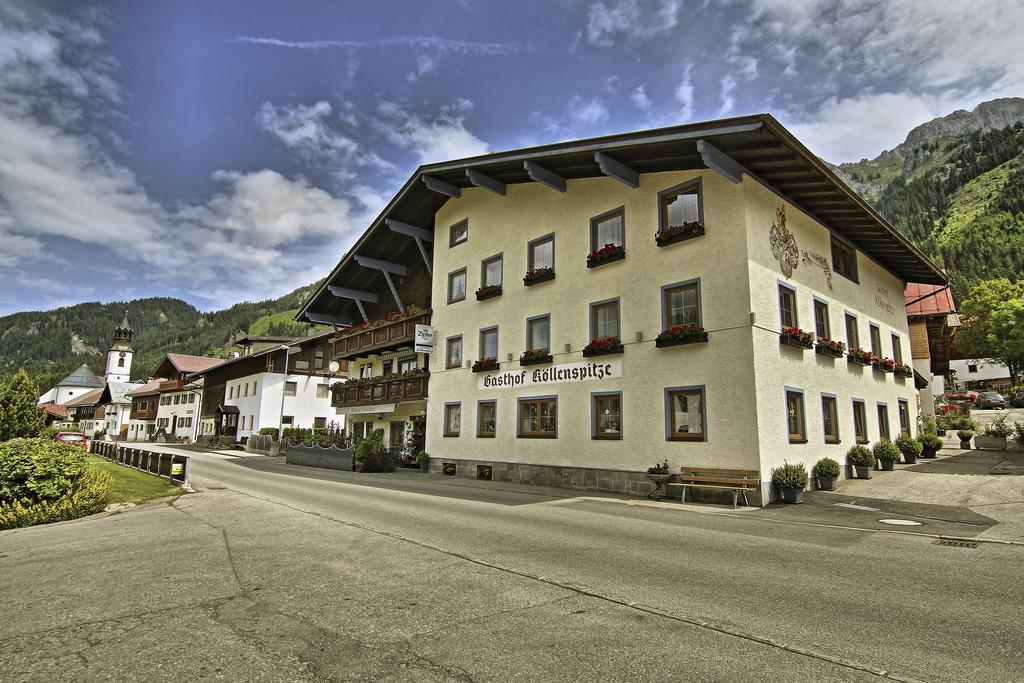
(826,350)
(904,374)
(995,443)
(681,234)
(535,360)
(537,278)
(854,359)
(488,293)
(887,465)
(611,350)
(792,495)
(863,471)
(910,458)
(689,339)
(883,368)
(927,453)
(965,444)
(827,483)
(605,255)
(795,341)
(485,366)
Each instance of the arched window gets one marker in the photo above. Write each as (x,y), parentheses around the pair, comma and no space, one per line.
(120,362)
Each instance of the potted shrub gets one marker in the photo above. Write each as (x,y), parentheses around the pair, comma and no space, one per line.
(826,471)
(910,448)
(603,346)
(535,357)
(791,480)
(994,435)
(794,336)
(930,445)
(862,461)
(830,347)
(965,438)
(538,275)
(485,364)
(488,292)
(886,453)
(1018,433)
(423,460)
(859,357)
(606,254)
(681,334)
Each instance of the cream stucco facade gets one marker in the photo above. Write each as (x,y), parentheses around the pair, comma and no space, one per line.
(742,370)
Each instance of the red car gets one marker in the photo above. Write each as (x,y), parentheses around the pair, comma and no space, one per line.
(72,439)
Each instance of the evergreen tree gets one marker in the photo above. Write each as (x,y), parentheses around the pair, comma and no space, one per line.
(20,416)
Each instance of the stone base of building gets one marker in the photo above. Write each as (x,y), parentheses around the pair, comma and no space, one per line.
(576,478)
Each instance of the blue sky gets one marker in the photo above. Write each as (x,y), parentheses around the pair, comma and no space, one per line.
(232,150)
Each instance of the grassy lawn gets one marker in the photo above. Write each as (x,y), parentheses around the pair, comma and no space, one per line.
(133,486)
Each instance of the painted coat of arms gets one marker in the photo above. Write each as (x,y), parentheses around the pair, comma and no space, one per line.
(783,244)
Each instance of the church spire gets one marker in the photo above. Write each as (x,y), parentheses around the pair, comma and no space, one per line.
(123,333)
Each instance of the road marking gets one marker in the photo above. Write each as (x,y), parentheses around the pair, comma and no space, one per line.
(853,506)
(900,522)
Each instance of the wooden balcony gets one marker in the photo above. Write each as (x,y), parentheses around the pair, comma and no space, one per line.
(143,414)
(392,390)
(171,385)
(382,338)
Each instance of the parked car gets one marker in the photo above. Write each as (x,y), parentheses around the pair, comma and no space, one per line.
(1017,399)
(990,399)
(72,438)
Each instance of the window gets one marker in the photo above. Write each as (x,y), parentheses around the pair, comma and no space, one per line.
(538,333)
(608,228)
(453,352)
(245,389)
(457,286)
(322,390)
(318,358)
(904,412)
(191,398)
(897,350)
(844,259)
(270,362)
(486,419)
(860,422)
(852,336)
(607,416)
(883,421)
(787,307)
(366,371)
(685,414)
(458,233)
(876,340)
(120,362)
(319,423)
(254,387)
(821,326)
(452,418)
(291,388)
(386,367)
(490,275)
(681,304)
(830,419)
(795,416)
(489,343)
(604,319)
(177,399)
(287,420)
(680,205)
(972,367)
(406,364)
(540,253)
(538,418)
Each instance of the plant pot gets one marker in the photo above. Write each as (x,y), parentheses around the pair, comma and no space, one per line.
(537,279)
(857,360)
(887,465)
(792,495)
(485,293)
(823,350)
(540,360)
(928,453)
(603,352)
(691,339)
(681,236)
(827,483)
(996,443)
(940,432)
(863,471)
(795,341)
(910,458)
(965,445)
(617,255)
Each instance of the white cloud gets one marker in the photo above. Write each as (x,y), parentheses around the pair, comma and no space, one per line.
(726,85)
(464,47)
(684,94)
(425,64)
(636,21)
(432,139)
(640,99)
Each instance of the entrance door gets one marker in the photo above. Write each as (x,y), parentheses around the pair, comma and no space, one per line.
(397,437)
(174,425)
(419,434)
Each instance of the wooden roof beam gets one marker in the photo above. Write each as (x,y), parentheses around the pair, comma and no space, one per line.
(541,175)
(486,182)
(718,160)
(441,187)
(421,235)
(386,268)
(324,319)
(618,170)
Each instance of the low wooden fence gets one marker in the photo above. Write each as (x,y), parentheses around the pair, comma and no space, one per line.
(174,466)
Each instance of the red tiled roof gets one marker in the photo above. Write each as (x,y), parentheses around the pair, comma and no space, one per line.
(185,363)
(147,388)
(53,409)
(939,303)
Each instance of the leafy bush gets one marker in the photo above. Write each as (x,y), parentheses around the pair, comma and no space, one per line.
(89,496)
(1018,431)
(38,470)
(372,455)
(885,451)
(908,445)
(927,425)
(48,433)
(999,427)
(790,476)
(423,458)
(965,434)
(930,441)
(860,456)
(272,432)
(827,467)
(20,415)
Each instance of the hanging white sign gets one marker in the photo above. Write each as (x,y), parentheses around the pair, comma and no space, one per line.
(564,373)
(424,339)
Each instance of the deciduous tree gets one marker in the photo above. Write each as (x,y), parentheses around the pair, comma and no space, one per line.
(993,324)
(20,415)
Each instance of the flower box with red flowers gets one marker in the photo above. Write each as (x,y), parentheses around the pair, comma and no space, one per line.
(904,370)
(538,357)
(538,275)
(488,292)
(681,334)
(794,336)
(603,347)
(883,364)
(485,364)
(859,357)
(830,347)
(678,233)
(606,254)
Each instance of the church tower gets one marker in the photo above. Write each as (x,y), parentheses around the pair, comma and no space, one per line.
(119,358)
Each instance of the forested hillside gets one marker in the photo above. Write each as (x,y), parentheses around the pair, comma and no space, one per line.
(52,343)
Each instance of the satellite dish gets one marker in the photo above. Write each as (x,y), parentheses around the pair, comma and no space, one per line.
(334,366)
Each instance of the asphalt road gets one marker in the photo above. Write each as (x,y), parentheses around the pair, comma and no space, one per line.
(273,572)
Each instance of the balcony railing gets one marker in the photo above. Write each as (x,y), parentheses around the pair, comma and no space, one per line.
(388,336)
(171,385)
(387,390)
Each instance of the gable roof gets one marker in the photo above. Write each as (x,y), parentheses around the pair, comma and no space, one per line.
(151,387)
(82,377)
(296,342)
(757,146)
(185,363)
(54,410)
(928,300)
(89,398)
(117,392)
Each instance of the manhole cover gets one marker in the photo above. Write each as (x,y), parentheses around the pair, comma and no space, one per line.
(956,544)
(900,522)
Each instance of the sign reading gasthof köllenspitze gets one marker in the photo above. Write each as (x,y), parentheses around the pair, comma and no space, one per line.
(553,374)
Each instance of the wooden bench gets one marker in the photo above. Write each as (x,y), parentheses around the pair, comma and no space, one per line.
(737,481)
